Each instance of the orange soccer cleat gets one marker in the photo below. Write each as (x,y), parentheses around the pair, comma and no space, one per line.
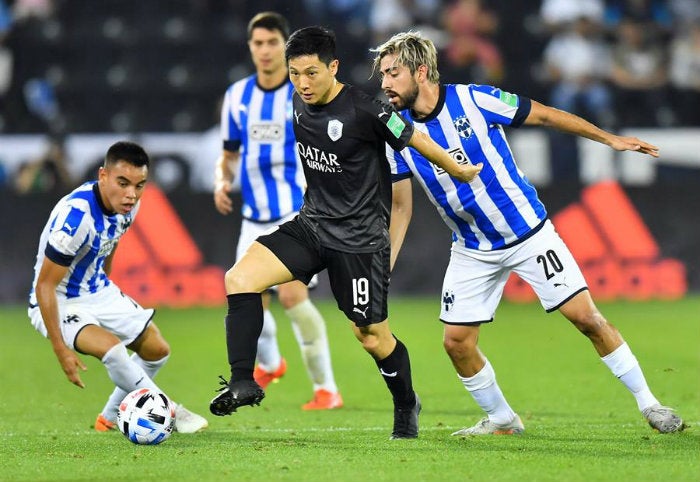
(324,400)
(264,378)
(104,425)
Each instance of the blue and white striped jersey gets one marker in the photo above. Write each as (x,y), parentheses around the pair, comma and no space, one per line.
(80,234)
(259,122)
(500,206)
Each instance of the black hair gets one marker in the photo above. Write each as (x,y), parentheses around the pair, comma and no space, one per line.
(128,152)
(312,41)
(269,21)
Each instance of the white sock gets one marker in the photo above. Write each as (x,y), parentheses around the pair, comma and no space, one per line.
(125,372)
(150,367)
(487,394)
(310,332)
(269,357)
(624,365)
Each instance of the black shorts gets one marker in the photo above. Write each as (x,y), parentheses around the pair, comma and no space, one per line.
(359,281)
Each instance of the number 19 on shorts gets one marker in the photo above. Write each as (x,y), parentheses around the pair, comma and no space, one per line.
(360,291)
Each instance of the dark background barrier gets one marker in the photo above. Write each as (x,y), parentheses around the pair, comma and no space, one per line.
(670,210)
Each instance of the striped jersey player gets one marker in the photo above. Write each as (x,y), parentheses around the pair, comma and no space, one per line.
(500,207)
(499,226)
(81,234)
(74,304)
(257,122)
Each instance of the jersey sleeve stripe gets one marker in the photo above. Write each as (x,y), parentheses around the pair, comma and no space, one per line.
(57,257)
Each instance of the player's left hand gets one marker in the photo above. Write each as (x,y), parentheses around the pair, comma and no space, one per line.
(467,172)
(222,199)
(620,143)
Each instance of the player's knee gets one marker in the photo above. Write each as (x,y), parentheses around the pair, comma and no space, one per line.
(460,339)
(155,351)
(590,322)
(370,343)
(236,281)
(290,298)
(459,346)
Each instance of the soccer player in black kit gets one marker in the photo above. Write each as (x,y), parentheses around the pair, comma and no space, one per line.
(343,225)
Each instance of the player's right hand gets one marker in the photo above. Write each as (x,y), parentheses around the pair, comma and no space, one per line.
(222,200)
(467,172)
(71,364)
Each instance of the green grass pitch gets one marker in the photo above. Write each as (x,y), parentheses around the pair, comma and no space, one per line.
(581,424)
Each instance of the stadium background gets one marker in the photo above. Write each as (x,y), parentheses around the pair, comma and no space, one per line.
(83,74)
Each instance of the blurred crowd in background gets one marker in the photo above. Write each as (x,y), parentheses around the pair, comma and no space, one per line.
(129,66)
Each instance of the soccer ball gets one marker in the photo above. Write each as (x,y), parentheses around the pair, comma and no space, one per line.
(146,417)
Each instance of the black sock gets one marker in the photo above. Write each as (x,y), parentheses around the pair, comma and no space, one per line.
(396,370)
(244,322)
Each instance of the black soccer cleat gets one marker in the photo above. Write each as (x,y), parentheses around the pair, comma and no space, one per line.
(406,421)
(235,394)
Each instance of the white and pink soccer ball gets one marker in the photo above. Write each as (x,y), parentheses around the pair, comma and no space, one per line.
(146,417)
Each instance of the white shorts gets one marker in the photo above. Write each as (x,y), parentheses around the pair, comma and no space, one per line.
(474,280)
(109,308)
(250,231)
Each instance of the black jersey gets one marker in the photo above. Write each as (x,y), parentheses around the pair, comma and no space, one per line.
(342,147)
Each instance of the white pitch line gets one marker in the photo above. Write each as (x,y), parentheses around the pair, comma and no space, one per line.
(445,428)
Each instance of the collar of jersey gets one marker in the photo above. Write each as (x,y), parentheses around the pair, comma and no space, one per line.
(314,107)
(96,192)
(284,82)
(436,110)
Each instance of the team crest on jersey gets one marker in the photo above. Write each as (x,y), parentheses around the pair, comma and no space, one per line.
(335,129)
(125,223)
(107,247)
(464,128)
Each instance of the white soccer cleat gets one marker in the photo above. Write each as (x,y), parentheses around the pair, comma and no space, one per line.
(663,419)
(487,427)
(188,422)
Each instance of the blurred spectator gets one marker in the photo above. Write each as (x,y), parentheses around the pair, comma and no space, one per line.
(470,46)
(6,58)
(351,16)
(41,9)
(577,62)
(388,17)
(48,173)
(685,74)
(3,175)
(639,76)
(653,14)
(559,15)
(684,12)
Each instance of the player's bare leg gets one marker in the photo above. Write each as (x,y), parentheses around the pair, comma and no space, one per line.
(618,357)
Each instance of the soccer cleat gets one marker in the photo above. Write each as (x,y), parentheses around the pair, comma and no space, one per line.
(487,427)
(188,422)
(104,425)
(663,419)
(324,400)
(406,421)
(264,378)
(235,394)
